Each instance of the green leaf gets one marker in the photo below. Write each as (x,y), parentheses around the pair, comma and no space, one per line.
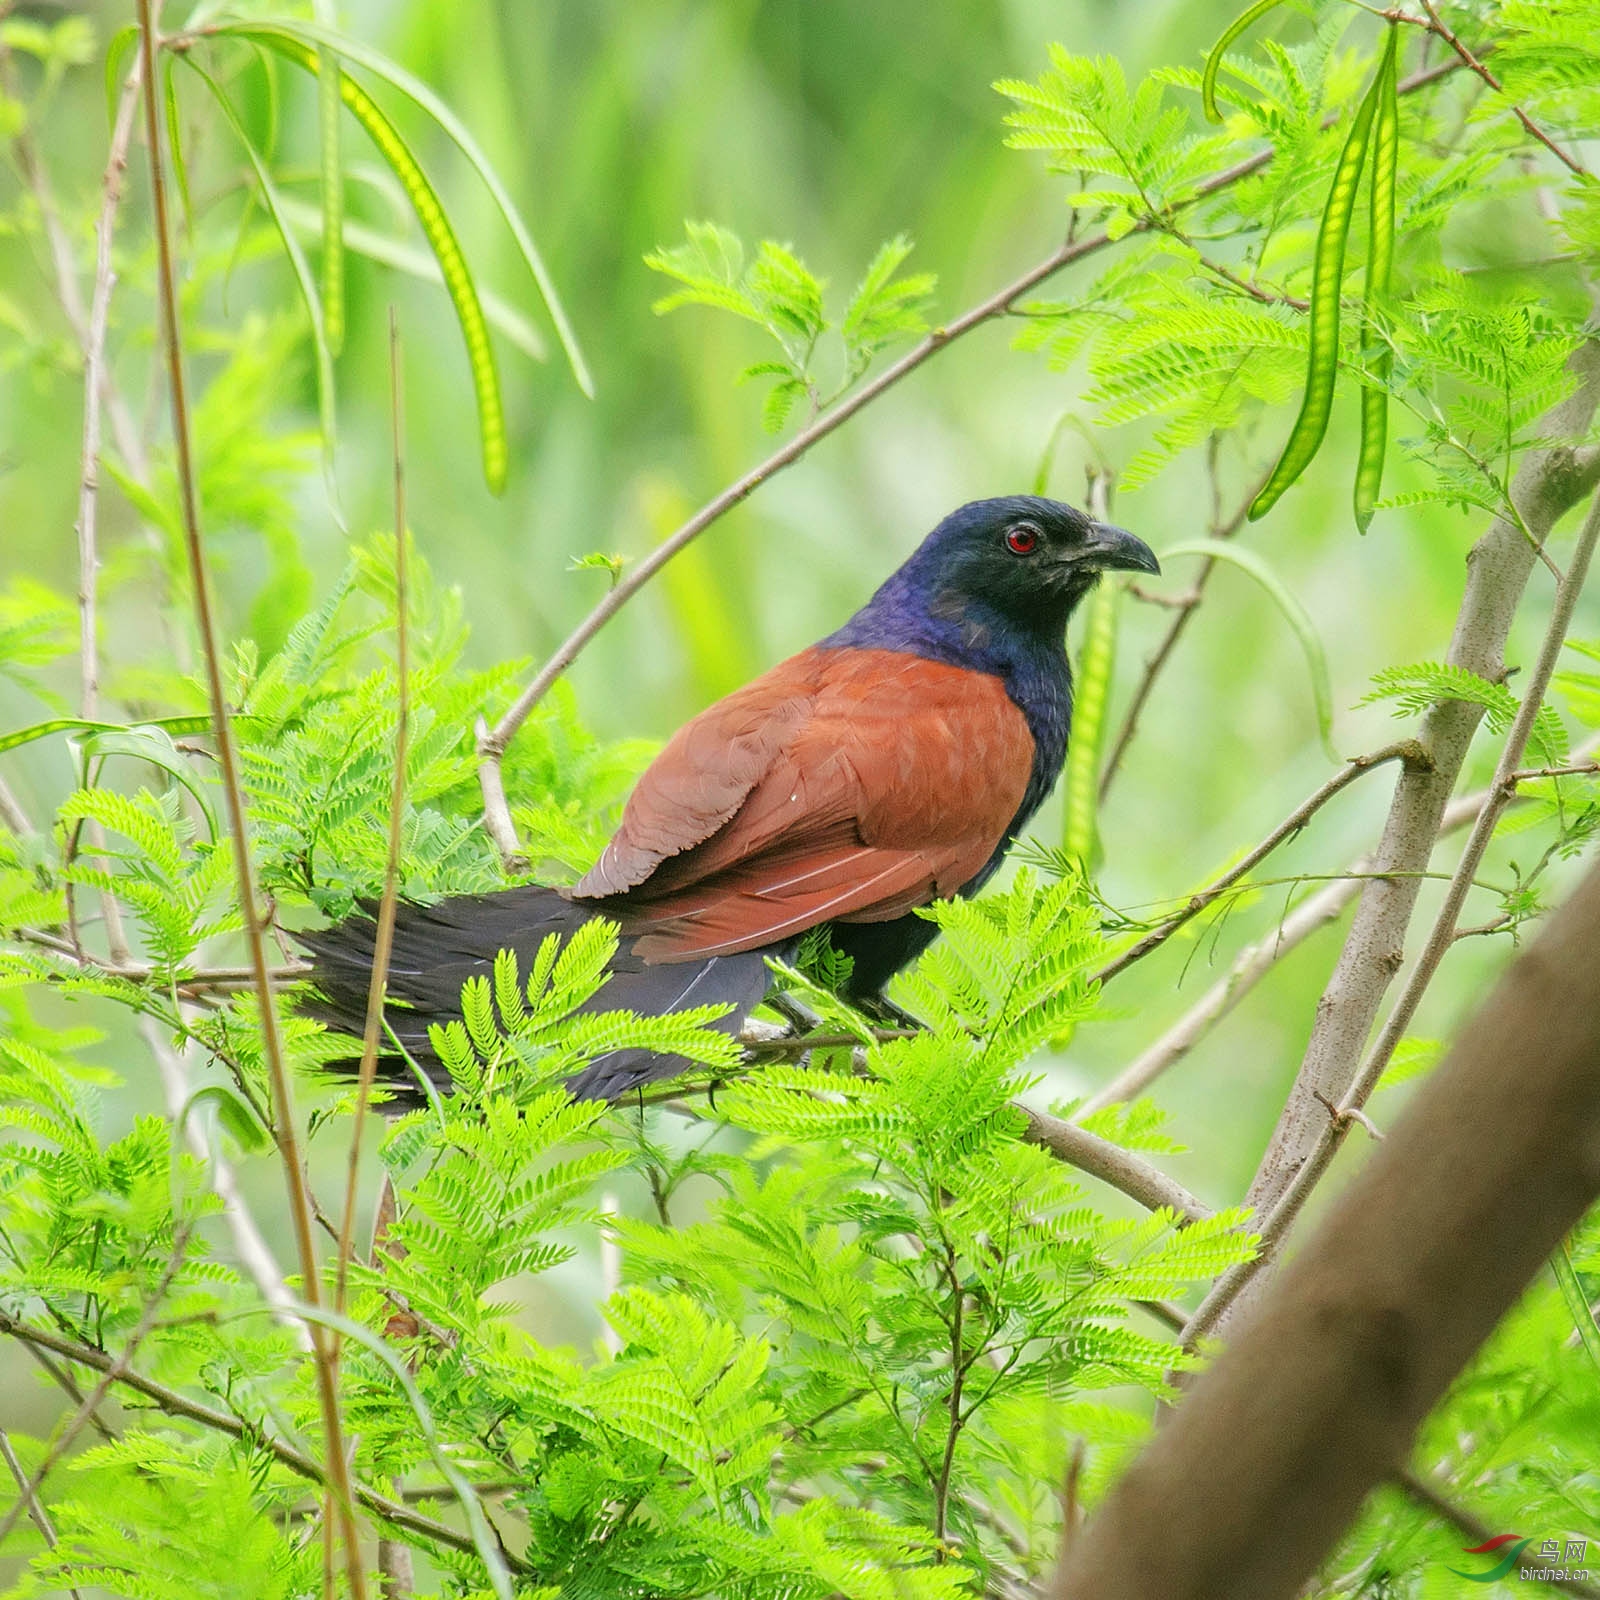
(884,308)
(149,742)
(43,730)
(233,1111)
(290,31)
(441,238)
(1380,263)
(1327,278)
(302,272)
(328,92)
(180,170)
(1577,1302)
(1208,84)
(1294,613)
(117,52)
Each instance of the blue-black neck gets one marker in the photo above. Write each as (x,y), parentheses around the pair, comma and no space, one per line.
(1029,659)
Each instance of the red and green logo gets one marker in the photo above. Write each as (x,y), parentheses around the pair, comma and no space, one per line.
(1512,1543)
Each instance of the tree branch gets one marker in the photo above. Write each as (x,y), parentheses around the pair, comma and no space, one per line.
(1436,24)
(287,1136)
(111,1372)
(1225,1292)
(40,1517)
(1406,750)
(1255,961)
(1548,483)
(94,385)
(1317,1399)
(1110,1163)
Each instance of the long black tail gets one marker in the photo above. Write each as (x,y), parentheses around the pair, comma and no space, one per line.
(438,947)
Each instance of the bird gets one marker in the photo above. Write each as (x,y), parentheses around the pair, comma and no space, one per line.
(891,764)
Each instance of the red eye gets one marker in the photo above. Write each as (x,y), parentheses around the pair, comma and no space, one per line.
(1022,540)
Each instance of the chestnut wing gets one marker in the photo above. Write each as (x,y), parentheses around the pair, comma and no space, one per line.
(844,785)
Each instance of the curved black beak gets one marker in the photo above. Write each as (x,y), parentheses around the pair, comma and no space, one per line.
(1113,549)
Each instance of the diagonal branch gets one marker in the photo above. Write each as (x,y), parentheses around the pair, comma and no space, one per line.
(1404,750)
(1255,961)
(1439,26)
(114,1369)
(1111,1164)
(36,1512)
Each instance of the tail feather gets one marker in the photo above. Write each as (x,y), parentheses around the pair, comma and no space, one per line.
(437,948)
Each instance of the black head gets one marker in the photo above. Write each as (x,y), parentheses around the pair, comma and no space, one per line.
(1027,559)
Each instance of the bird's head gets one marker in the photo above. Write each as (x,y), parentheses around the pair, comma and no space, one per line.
(1022,559)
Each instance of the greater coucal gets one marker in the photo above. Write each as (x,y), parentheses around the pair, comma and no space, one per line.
(889,765)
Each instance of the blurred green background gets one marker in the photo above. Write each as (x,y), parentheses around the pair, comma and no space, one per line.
(831,126)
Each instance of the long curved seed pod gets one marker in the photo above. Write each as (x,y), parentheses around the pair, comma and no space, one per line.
(352,51)
(1326,279)
(441,239)
(1208,83)
(1380,264)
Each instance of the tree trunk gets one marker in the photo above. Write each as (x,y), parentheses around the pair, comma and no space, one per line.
(1268,1459)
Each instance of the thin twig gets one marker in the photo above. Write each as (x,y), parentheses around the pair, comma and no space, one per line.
(492,745)
(1185,607)
(285,1132)
(1473,64)
(251,1247)
(110,1374)
(94,370)
(1434,1499)
(1249,967)
(95,386)
(1278,1221)
(198,983)
(177,1404)
(1575,769)
(41,1518)
(1255,961)
(1407,750)
(11,812)
(69,290)
(383,936)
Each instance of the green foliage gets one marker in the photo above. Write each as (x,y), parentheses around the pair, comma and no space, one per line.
(1513,1435)
(1413,689)
(850,1329)
(35,629)
(1183,335)
(1128,149)
(782,296)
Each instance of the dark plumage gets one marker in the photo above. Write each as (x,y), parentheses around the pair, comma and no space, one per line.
(887,766)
